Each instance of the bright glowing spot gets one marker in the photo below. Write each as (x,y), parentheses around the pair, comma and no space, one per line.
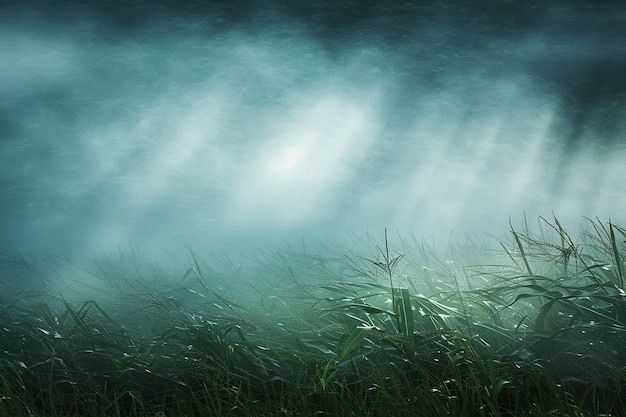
(303,165)
(291,158)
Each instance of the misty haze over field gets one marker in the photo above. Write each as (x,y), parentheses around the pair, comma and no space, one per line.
(237,125)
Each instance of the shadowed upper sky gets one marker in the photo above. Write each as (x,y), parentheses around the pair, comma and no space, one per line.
(230,126)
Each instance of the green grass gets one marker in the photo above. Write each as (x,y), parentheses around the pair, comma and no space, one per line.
(533,328)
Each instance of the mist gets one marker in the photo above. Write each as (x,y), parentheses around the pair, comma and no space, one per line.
(222,127)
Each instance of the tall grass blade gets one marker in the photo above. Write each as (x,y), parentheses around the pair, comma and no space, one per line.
(522,253)
(616,256)
(403,311)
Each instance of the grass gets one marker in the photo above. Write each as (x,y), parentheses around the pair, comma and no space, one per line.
(537,330)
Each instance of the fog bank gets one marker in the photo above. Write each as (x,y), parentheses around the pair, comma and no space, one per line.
(231,128)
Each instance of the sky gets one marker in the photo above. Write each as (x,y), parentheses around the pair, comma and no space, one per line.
(225,127)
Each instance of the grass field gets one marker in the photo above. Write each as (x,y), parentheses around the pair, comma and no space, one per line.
(534,327)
